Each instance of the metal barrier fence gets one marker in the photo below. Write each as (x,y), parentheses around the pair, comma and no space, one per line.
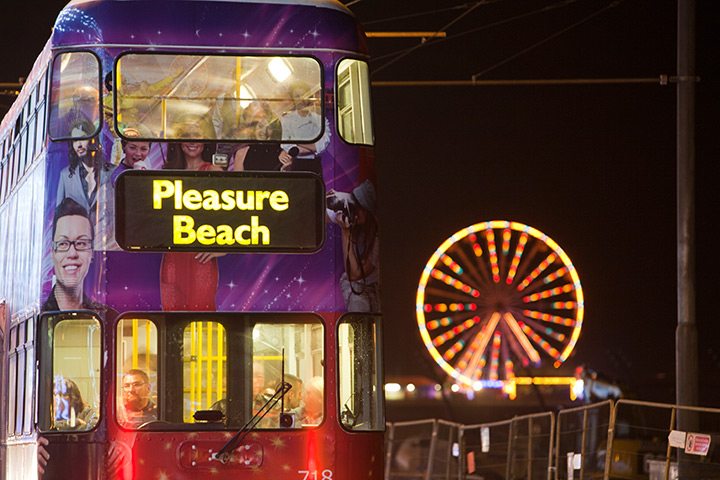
(641,445)
(520,448)
(582,440)
(627,440)
(421,450)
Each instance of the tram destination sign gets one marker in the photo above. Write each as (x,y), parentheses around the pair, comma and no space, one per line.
(194,211)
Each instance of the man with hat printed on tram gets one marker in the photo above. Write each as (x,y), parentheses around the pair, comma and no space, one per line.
(86,180)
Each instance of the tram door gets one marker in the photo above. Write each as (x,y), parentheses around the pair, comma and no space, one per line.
(70,394)
(3,391)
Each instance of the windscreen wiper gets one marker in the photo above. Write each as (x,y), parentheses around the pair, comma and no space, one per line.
(223,455)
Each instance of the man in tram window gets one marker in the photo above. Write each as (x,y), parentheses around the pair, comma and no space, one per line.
(87,177)
(303,123)
(137,406)
(72,253)
(134,152)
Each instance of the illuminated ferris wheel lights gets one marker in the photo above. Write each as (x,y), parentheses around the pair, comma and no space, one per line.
(522,338)
(443,322)
(538,270)
(449,262)
(479,348)
(516,258)
(548,293)
(452,351)
(546,317)
(506,241)
(554,276)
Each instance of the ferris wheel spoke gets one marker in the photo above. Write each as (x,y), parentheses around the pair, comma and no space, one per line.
(473,267)
(453,350)
(480,343)
(522,338)
(492,252)
(557,336)
(454,282)
(453,332)
(559,273)
(440,291)
(546,317)
(539,341)
(495,355)
(519,249)
(553,292)
(538,270)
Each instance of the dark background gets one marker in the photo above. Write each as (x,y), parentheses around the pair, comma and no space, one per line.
(592,166)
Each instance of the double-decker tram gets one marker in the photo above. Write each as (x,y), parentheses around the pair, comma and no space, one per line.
(189,275)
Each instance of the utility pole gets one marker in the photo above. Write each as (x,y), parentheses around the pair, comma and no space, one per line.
(686,339)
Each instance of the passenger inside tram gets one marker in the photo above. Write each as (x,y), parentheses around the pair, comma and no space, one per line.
(137,406)
(70,410)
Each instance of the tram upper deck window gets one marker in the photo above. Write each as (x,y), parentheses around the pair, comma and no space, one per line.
(74,95)
(70,386)
(353,102)
(238,98)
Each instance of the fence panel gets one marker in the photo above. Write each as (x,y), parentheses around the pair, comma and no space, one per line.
(421,450)
(641,448)
(582,439)
(517,449)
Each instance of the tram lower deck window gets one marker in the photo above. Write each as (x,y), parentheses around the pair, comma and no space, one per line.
(218,370)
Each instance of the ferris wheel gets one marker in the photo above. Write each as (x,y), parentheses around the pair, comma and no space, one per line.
(497,296)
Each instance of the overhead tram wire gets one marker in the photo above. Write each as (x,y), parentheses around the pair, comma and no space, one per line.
(405,51)
(409,51)
(547,39)
(426,13)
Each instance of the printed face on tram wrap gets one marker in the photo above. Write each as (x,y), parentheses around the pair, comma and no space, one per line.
(81,147)
(136,152)
(71,265)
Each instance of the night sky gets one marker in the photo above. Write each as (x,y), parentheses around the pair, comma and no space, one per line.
(592,166)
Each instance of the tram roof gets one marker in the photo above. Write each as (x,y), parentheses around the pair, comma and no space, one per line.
(217,24)
(334,4)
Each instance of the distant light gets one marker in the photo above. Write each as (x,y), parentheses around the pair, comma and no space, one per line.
(392,387)
(279,69)
(477,386)
(455,388)
(410,387)
(577,390)
(438,387)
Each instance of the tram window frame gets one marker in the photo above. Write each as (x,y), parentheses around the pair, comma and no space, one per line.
(319,82)
(152,372)
(359,106)
(45,350)
(12,380)
(53,104)
(20,382)
(29,374)
(238,361)
(362,385)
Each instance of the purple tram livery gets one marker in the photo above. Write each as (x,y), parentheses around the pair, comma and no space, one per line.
(189,275)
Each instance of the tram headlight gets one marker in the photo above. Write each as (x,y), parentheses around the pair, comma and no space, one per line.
(287,420)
